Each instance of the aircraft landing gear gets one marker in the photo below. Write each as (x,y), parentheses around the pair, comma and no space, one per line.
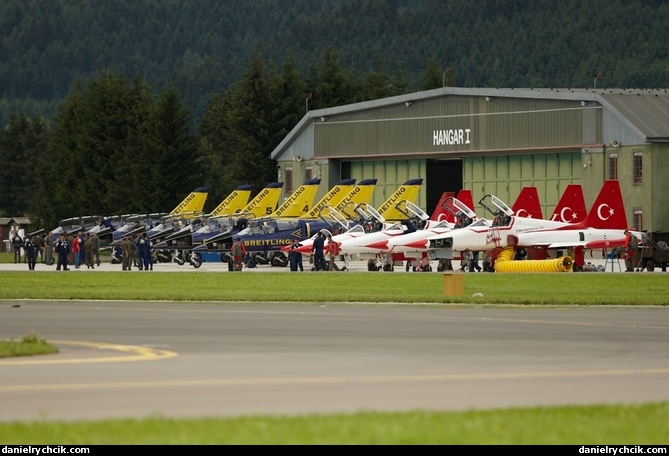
(196,260)
(164,256)
(179,259)
(279,260)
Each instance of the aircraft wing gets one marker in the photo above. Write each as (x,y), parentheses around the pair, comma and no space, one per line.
(562,239)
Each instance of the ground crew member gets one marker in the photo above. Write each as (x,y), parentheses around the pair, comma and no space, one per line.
(96,248)
(333,250)
(17,243)
(238,253)
(88,252)
(63,251)
(126,254)
(31,252)
(631,246)
(295,257)
(48,248)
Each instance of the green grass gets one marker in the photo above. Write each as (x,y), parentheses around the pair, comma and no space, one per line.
(593,425)
(523,289)
(29,345)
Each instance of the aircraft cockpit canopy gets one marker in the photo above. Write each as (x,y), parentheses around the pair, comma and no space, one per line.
(495,206)
(480,223)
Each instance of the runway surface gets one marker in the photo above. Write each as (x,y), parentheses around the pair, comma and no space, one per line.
(139,359)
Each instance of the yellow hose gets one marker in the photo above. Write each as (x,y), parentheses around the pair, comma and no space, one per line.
(505,263)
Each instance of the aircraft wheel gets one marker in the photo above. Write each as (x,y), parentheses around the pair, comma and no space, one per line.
(388,267)
(259,259)
(178,260)
(164,257)
(225,258)
(427,268)
(279,261)
(188,256)
(650,265)
(196,260)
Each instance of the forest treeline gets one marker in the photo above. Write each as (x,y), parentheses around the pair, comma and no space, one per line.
(204,46)
(115,147)
(125,106)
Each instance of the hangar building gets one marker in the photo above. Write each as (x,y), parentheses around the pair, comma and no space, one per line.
(493,141)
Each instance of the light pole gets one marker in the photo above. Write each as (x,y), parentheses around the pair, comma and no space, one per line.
(306,102)
(443,77)
(599,76)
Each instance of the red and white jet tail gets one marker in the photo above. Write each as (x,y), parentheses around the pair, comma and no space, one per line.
(527,204)
(439,212)
(467,198)
(608,211)
(571,207)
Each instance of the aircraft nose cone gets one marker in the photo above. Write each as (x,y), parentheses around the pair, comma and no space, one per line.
(380,245)
(304,249)
(420,244)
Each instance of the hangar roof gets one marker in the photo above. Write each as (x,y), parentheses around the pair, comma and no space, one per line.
(646,110)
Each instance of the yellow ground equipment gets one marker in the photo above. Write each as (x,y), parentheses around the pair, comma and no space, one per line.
(506,263)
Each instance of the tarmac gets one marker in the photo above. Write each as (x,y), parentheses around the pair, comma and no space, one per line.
(593,265)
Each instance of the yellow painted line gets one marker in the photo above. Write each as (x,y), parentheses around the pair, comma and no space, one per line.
(137,353)
(334,379)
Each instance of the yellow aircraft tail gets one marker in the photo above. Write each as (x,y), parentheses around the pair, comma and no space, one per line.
(361,194)
(264,202)
(300,201)
(407,192)
(234,202)
(331,198)
(193,204)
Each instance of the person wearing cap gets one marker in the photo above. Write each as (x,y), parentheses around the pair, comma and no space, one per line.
(238,253)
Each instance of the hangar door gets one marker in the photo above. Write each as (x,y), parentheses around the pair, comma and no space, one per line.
(390,174)
(505,175)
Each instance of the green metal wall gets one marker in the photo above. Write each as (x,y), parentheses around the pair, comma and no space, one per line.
(505,175)
(390,174)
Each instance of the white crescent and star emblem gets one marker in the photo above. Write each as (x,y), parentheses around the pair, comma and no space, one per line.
(609,210)
(567,214)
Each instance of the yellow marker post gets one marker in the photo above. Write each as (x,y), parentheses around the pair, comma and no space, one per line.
(454,283)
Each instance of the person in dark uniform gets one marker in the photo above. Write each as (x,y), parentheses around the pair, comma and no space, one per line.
(295,257)
(17,244)
(143,252)
(318,249)
(63,251)
(30,248)
(474,262)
